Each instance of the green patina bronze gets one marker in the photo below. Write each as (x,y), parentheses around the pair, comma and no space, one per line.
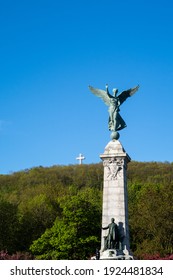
(112,239)
(115,122)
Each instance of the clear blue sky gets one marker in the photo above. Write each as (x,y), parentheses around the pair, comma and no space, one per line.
(50,51)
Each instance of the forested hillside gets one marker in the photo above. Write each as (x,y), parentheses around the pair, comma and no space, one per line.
(55,213)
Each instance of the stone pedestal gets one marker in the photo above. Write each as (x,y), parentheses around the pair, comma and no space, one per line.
(115,201)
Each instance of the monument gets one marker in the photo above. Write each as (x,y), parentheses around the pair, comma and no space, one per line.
(115,228)
(80,158)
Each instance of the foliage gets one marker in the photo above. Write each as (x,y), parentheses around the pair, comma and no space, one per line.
(151,219)
(9,225)
(76,235)
(56,211)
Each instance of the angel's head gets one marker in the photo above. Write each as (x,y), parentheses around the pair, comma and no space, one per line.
(115,91)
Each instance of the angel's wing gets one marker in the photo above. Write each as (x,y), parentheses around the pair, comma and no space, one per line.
(127,93)
(105,96)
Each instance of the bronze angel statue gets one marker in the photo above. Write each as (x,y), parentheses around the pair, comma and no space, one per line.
(114,102)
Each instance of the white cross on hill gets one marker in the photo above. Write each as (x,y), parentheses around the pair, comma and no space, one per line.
(80,158)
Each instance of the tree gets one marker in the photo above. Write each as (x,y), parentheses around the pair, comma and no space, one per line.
(35,215)
(77,234)
(151,220)
(32,199)
(9,226)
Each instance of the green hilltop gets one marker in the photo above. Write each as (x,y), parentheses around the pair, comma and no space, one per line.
(55,212)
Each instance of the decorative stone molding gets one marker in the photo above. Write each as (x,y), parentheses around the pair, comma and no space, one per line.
(113,167)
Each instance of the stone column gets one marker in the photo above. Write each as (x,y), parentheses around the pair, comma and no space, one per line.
(115,201)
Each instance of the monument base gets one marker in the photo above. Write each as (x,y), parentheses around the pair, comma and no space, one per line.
(112,254)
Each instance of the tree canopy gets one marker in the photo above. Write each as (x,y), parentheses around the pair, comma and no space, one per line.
(55,212)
